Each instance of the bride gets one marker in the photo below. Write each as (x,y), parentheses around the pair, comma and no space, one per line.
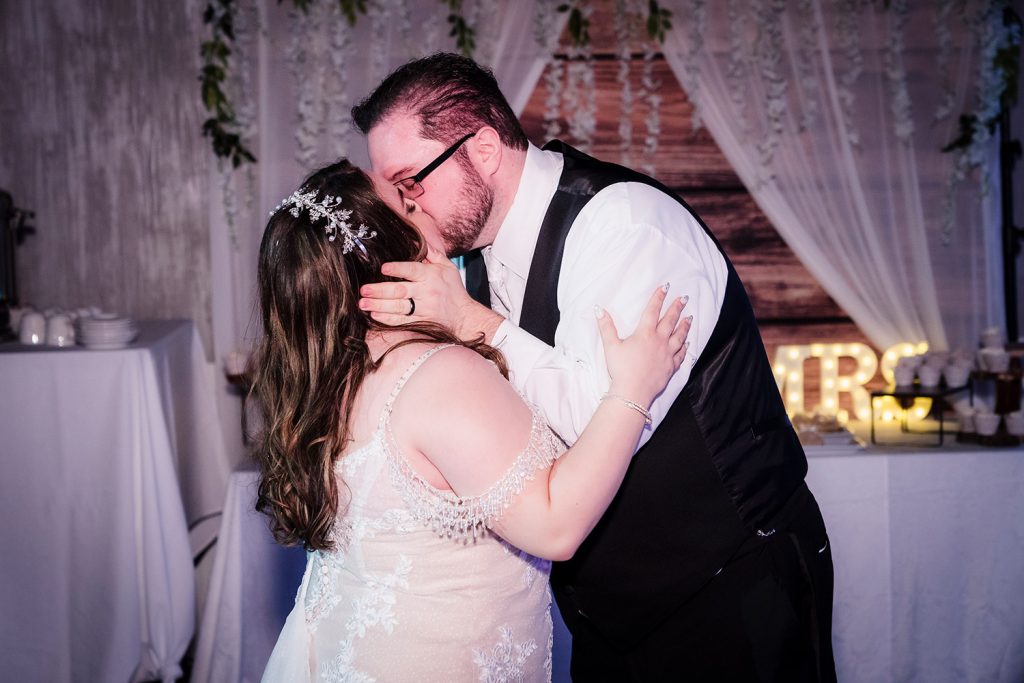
(430,497)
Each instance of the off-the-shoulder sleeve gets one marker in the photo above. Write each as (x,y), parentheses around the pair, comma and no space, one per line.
(465,518)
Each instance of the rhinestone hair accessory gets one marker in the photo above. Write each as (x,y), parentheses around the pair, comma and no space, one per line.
(337,218)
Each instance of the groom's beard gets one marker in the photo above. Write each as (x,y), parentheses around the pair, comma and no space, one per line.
(470,215)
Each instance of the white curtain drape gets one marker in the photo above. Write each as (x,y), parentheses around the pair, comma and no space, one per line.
(295,78)
(833,113)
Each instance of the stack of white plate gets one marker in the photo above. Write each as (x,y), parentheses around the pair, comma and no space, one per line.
(105,331)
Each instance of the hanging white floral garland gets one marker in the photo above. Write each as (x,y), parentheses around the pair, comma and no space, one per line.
(944,59)
(896,75)
(380,18)
(580,94)
(624,36)
(992,36)
(807,61)
(553,79)
(307,76)
(652,121)
(321,44)
(339,101)
(433,35)
(848,33)
(241,86)
(544,19)
(769,59)
(403,16)
(739,56)
(691,74)
(482,16)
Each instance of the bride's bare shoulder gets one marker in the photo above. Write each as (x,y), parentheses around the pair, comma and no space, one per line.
(455,394)
(454,366)
(448,366)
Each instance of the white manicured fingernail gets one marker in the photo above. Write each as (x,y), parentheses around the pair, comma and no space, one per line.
(598,312)
(664,287)
(688,319)
(686,299)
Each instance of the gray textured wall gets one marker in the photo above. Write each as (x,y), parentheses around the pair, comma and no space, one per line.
(99,135)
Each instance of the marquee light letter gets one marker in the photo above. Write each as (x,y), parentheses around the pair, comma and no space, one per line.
(789,376)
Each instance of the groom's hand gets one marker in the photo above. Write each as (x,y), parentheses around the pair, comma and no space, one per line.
(436,287)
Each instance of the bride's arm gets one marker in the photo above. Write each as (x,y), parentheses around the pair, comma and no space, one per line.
(476,430)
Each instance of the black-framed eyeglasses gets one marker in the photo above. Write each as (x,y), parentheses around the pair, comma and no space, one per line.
(411,187)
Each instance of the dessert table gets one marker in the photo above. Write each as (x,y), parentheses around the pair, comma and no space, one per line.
(928,549)
(107,457)
(928,546)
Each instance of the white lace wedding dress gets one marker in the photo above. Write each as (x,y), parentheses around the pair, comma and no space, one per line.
(417,588)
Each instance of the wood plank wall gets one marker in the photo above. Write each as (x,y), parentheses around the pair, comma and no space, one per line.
(791,306)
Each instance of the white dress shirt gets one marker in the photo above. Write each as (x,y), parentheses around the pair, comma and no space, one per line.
(629,239)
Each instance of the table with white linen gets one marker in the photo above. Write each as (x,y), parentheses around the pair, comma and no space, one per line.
(107,456)
(252,589)
(928,548)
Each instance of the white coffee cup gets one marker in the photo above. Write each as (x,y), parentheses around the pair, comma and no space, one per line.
(995,359)
(1015,423)
(59,331)
(966,417)
(961,356)
(987,424)
(956,375)
(912,361)
(904,376)
(929,375)
(1000,363)
(15,316)
(992,338)
(32,328)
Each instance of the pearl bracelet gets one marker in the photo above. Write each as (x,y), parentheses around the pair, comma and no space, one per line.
(634,405)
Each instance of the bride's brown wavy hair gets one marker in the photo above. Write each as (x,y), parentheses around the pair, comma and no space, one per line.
(312,358)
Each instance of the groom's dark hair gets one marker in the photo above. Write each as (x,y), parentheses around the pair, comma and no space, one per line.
(451,95)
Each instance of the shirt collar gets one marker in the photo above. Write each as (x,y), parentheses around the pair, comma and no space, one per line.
(517,237)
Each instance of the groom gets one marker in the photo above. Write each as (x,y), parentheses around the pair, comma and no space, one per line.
(712,563)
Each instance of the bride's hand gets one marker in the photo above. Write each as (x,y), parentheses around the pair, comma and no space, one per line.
(641,365)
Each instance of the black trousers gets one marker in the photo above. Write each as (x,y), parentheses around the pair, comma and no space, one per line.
(766,616)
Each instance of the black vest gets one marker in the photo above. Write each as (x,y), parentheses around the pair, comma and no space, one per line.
(717,471)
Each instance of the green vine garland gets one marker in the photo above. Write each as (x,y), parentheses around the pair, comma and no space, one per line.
(1007,62)
(222,125)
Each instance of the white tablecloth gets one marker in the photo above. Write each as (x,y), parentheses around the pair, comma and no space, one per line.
(106,456)
(929,561)
(928,548)
(252,589)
